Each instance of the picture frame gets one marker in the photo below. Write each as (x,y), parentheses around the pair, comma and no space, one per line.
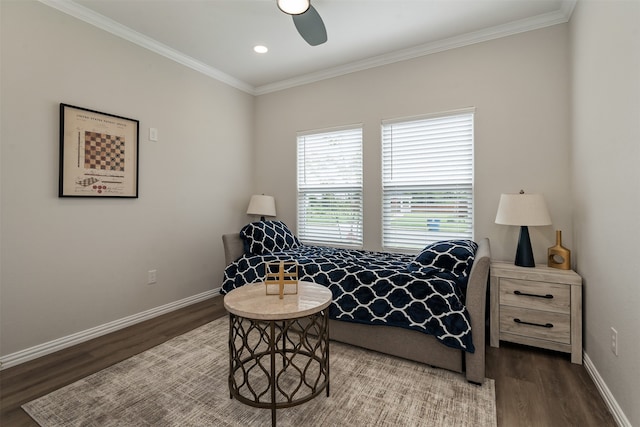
(98,154)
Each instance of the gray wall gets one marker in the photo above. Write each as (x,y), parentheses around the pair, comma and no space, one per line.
(67,264)
(519,86)
(606,182)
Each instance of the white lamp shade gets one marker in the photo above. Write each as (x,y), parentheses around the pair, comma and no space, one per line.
(262,205)
(522,209)
(294,7)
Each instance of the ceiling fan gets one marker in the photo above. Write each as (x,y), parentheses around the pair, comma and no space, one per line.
(306,19)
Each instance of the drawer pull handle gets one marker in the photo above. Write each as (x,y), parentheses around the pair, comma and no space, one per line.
(547,296)
(546,325)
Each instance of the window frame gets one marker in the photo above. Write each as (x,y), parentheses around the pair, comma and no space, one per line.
(431,230)
(350,233)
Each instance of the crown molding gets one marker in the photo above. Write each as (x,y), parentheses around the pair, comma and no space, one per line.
(567,8)
(78,11)
(559,16)
(87,15)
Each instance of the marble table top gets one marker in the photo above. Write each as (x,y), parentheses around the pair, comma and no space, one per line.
(250,301)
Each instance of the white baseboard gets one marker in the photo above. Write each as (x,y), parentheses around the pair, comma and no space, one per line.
(82,336)
(611,402)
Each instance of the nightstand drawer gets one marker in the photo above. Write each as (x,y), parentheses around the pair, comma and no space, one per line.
(535,295)
(536,324)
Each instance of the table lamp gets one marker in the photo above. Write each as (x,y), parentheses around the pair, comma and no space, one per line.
(523,210)
(262,205)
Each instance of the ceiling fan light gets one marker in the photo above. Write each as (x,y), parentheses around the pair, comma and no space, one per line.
(260,49)
(294,7)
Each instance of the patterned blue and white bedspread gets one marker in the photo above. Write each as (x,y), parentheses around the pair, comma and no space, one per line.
(373,288)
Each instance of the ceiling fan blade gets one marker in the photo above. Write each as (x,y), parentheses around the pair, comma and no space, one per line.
(311,27)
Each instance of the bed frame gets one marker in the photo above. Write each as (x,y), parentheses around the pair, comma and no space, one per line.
(407,343)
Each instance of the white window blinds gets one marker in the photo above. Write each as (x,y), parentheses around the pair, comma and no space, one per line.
(330,187)
(427,180)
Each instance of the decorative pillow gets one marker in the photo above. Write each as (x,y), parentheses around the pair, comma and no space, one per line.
(263,237)
(454,256)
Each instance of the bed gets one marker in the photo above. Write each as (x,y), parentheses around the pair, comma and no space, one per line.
(428,307)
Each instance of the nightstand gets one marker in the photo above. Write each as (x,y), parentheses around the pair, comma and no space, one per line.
(536,306)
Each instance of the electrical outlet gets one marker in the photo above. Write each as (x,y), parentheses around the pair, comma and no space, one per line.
(614,341)
(151,277)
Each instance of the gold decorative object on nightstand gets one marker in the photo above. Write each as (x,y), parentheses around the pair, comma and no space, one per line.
(281,277)
(559,256)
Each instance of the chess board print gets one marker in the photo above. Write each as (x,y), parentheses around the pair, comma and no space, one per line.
(103,152)
(87,181)
(98,154)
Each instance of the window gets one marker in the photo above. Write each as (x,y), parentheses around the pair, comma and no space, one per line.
(427,180)
(330,187)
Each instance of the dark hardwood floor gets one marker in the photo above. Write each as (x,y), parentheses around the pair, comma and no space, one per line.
(533,387)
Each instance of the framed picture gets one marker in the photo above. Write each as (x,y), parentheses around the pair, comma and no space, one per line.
(98,154)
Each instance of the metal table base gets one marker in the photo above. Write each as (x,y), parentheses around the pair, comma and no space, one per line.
(278,363)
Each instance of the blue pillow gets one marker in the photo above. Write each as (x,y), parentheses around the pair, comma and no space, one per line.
(264,237)
(453,256)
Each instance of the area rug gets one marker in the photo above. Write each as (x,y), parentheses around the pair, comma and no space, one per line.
(183,382)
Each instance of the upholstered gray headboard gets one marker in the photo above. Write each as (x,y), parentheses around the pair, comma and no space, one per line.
(233,247)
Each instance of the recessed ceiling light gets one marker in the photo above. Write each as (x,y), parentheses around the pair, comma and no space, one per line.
(260,49)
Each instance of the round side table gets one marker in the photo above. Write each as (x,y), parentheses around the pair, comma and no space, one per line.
(278,348)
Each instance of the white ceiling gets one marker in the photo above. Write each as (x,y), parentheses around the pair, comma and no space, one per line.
(216,37)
